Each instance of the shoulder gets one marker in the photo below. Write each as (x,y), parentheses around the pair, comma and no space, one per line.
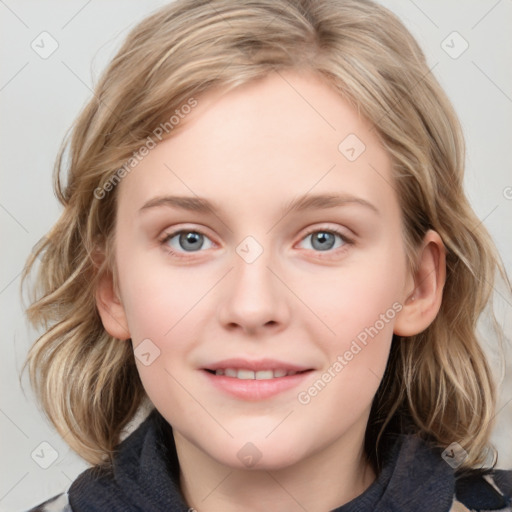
(59,503)
(482,491)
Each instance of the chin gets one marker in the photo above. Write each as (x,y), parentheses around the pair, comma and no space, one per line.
(254,456)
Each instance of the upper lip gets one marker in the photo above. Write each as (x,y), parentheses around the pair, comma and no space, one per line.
(256,365)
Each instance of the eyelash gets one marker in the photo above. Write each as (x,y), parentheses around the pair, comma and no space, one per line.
(169,236)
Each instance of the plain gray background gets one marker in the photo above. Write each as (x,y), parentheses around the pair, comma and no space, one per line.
(40,97)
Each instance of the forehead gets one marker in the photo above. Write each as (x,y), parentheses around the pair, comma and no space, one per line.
(268,141)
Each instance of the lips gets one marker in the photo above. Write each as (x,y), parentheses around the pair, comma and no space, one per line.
(255,380)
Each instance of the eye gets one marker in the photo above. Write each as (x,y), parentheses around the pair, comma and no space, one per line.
(187,241)
(325,240)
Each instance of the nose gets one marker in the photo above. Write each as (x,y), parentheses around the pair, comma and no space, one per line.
(253,300)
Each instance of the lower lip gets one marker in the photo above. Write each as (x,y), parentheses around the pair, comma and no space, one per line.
(254,389)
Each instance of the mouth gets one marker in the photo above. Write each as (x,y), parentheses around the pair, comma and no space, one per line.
(255,380)
(246,374)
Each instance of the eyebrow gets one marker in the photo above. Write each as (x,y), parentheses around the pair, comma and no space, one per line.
(300,204)
(324,201)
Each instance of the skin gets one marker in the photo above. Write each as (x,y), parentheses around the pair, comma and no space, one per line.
(251,151)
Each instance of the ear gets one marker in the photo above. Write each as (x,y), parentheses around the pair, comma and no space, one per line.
(110,308)
(423,301)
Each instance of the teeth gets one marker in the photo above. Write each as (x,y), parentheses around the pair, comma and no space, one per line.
(264,374)
(244,374)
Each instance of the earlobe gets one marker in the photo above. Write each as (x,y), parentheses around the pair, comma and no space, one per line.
(421,304)
(110,308)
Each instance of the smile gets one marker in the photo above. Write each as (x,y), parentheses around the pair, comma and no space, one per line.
(253,380)
(245,374)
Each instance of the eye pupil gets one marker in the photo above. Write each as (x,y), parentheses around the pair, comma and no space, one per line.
(323,240)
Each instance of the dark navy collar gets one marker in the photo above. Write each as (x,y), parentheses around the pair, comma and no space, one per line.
(145,476)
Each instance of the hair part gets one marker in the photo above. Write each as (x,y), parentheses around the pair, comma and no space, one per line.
(88,382)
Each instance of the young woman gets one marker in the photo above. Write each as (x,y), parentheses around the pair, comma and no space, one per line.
(265,241)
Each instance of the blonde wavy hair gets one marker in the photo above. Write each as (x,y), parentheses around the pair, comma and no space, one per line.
(440,380)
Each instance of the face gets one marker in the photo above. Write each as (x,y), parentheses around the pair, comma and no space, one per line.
(261,271)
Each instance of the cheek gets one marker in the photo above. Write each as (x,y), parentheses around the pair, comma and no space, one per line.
(350,299)
(167,307)
(355,364)
(358,306)
(157,297)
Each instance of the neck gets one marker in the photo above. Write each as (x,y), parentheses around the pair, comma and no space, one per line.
(324,481)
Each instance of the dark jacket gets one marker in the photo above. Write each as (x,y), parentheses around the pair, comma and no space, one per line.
(414,478)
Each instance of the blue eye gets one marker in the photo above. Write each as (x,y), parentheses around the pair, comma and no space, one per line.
(325,240)
(187,241)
